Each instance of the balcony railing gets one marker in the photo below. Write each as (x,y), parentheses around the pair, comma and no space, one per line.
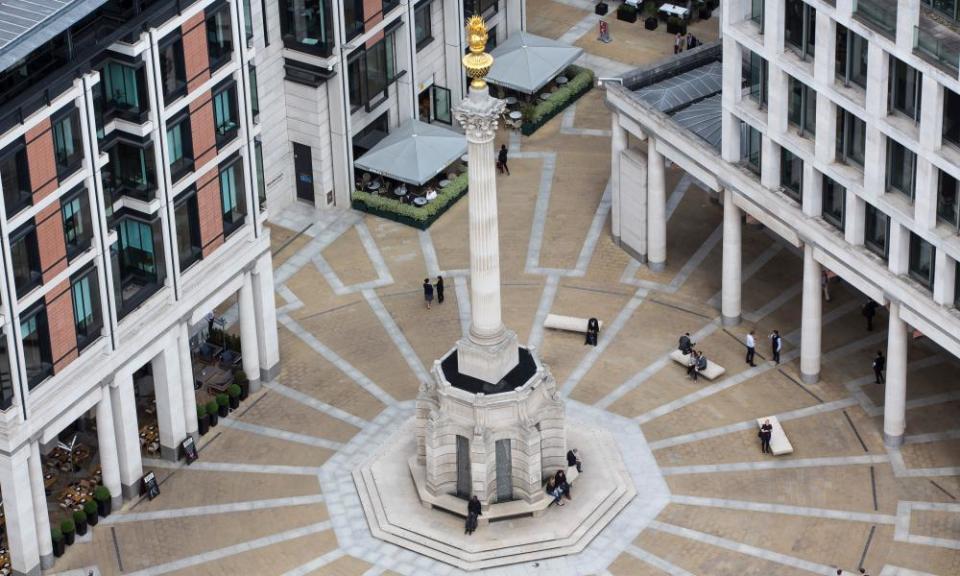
(881,13)
(942,53)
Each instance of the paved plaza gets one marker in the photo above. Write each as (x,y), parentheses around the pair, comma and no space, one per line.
(272,492)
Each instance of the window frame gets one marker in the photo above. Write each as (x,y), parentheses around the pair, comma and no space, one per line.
(215,20)
(26,233)
(424,7)
(224,137)
(846,125)
(185,164)
(803,124)
(838,221)
(808,13)
(37,312)
(917,245)
(954,220)
(173,40)
(786,188)
(69,164)
(85,234)
(234,217)
(17,153)
(891,184)
(869,223)
(187,201)
(897,90)
(87,332)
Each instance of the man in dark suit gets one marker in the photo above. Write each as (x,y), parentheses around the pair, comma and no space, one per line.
(879,364)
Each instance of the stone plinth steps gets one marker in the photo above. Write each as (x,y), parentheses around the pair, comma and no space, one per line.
(396,514)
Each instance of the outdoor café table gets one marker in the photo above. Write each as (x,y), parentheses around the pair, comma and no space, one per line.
(400,191)
(516,115)
(373,186)
(464,158)
(510,100)
(672,10)
(546,96)
(420,201)
(444,183)
(561,80)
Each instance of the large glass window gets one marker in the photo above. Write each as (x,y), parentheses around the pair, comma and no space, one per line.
(131,172)
(6,380)
(247,21)
(232,196)
(25,257)
(800,27)
(802,107)
(485,8)
(179,147)
(851,57)
(371,72)
(15,177)
(254,94)
(307,25)
(187,216)
(67,146)
(756,12)
(261,180)
(949,8)
(904,88)
(77,229)
(755,77)
(834,198)
(951,117)
(219,37)
(876,231)
(353,18)
(901,168)
(948,199)
(791,174)
(137,261)
(750,147)
(173,74)
(851,138)
(35,338)
(86,307)
(423,24)
(125,91)
(921,266)
(225,115)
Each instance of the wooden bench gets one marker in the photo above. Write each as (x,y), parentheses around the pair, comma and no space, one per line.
(779,443)
(569,323)
(712,372)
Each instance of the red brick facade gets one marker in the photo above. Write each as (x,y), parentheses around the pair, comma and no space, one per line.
(63,337)
(203,135)
(53,248)
(211,212)
(40,159)
(372,15)
(195,58)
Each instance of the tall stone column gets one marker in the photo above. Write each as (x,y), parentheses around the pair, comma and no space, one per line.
(812,318)
(186,381)
(618,143)
(21,523)
(107,448)
(490,350)
(656,209)
(168,392)
(250,349)
(264,301)
(732,255)
(127,434)
(44,540)
(895,394)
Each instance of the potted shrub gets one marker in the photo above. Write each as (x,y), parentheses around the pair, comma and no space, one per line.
(59,546)
(90,509)
(80,522)
(651,23)
(240,379)
(601,8)
(212,411)
(627,12)
(705,12)
(223,405)
(203,419)
(104,500)
(233,394)
(69,530)
(676,24)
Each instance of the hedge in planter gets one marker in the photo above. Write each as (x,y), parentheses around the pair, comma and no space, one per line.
(581,81)
(420,217)
(80,521)
(93,515)
(59,546)
(203,419)
(104,500)
(69,530)
(213,412)
(627,12)
(233,392)
(223,405)
(676,24)
(241,380)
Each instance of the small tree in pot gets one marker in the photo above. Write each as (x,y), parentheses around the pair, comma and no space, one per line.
(212,411)
(80,522)
(104,500)
(241,380)
(90,509)
(203,419)
(69,530)
(233,392)
(223,405)
(601,8)
(59,546)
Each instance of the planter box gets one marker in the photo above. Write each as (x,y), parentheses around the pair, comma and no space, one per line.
(59,547)
(203,424)
(651,23)
(673,29)
(104,507)
(574,72)
(626,15)
(358,202)
(600,9)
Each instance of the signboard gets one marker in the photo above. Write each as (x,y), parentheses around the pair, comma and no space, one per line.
(604,32)
(150,486)
(189,450)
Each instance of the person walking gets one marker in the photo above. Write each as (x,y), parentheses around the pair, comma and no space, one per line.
(678,44)
(502,159)
(869,311)
(751,347)
(439,288)
(825,284)
(766,431)
(593,329)
(474,511)
(776,343)
(427,292)
(879,364)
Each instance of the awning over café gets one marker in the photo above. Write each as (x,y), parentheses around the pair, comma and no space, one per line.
(414,153)
(526,62)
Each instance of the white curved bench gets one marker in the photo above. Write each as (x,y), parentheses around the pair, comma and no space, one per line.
(779,444)
(569,323)
(712,372)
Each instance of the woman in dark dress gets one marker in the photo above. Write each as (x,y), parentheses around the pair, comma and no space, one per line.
(427,292)
(562,484)
(593,329)
(473,512)
(439,288)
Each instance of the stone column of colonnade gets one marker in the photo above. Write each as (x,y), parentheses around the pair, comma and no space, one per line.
(127,435)
(42,519)
(168,392)
(812,318)
(618,143)
(730,290)
(895,394)
(656,209)
(266,314)
(250,347)
(107,448)
(19,515)
(191,426)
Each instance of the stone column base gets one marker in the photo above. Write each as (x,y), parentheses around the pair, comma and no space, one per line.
(488,362)
(731,320)
(116,503)
(46,561)
(35,571)
(171,454)
(269,374)
(130,491)
(892,441)
(254,385)
(810,378)
(657,266)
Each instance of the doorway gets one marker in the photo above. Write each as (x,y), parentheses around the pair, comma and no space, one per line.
(433,103)
(303,167)
(464,480)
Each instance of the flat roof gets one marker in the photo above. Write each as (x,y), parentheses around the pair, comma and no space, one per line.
(25,25)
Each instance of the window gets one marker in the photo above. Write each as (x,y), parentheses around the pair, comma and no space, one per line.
(125,91)
(15,178)
(756,12)
(851,138)
(441,104)
(851,57)
(25,257)
(802,107)
(254,94)
(247,21)
(948,8)
(232,196)
(131,172)
(261,181)
(137,260)
(67,146)
(921,266)
(750,147)
(173,74)
(6,380)
(187,216)
(35,339)
(905,86)
(423,24)
(951,117)
(219,37)
(901,168)
(834,198)
(876,231)
(485,8)
(371,72)
(355,79)
(77,229)
(179,147)
(791,174)
(86,307)
(352,18)
(756,78)
(800,27)
(948,202)
(371,134)
(225,114)
(307,25)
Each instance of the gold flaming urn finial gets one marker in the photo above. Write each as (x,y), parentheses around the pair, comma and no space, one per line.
(477,62)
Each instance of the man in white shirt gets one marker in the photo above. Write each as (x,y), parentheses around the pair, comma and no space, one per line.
(751,348)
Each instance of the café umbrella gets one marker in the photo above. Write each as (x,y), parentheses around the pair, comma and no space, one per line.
(527,62)
(414,153)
